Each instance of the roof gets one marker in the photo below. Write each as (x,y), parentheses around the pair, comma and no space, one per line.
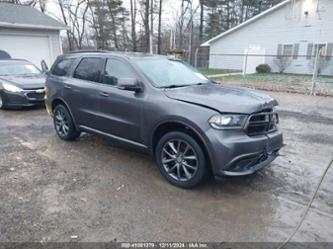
(251,20)
(13,61)
(21,16)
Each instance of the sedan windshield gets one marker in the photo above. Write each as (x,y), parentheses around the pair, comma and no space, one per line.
(14,69)
(171,73)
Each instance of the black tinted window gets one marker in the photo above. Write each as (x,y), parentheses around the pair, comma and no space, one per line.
(89,69)
(115,70)
(62,67)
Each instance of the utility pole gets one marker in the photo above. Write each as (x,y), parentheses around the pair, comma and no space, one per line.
(315,72)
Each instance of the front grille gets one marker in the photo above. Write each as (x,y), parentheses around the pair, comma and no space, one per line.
(262,122)
(35,95)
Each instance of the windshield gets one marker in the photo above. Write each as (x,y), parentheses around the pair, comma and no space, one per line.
(18,69)
(171,73)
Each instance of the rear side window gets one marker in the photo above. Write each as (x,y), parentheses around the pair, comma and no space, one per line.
(89,69)
(62,67)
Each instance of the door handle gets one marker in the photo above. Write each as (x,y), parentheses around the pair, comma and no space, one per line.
(68,86)
(104,94)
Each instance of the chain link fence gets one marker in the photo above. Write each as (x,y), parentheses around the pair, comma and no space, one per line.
(308,74)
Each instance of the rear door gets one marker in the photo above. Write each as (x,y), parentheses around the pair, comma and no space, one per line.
(121,110)
(81,91)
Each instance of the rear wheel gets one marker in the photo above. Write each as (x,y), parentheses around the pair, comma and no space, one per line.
(64,124)
(181,160)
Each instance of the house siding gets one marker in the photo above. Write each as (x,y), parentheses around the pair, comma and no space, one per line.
(279,27)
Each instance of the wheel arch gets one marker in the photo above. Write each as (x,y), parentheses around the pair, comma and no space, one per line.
(179,125)
(60,101)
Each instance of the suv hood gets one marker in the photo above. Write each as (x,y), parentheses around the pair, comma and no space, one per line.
(223,99)
(25,82)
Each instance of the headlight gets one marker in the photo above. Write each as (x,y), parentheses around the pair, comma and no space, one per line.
(11,88)
(222,121)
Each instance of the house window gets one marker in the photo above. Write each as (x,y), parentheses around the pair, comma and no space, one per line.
(288,50)
(321,48)
(313,49)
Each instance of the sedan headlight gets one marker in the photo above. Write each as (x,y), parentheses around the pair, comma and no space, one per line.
(11,88)
(223,121)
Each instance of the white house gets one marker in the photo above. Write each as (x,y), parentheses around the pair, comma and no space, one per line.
(292,32)
(26,33)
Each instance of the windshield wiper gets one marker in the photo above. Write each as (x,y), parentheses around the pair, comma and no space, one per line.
(183,85)
(175,86)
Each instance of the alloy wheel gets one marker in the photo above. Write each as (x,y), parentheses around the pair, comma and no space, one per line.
(179,159)
(61,123)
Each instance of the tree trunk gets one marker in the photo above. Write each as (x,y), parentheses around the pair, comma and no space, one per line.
(146,27)
(70,45)
(114,32)
(181,25)
(201,21)
(159,38)
(133,23)
(151,34)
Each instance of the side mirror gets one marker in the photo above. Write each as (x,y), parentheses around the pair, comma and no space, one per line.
(129,84)
(44,66)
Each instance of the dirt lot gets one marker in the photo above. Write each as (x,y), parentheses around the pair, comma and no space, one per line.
(51,190)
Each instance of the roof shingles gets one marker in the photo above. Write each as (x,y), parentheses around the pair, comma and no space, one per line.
(20,16)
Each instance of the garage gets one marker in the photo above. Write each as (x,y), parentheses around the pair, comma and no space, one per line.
(19,46)
(26,33)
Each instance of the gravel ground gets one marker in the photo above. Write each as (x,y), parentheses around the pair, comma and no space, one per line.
(51,190)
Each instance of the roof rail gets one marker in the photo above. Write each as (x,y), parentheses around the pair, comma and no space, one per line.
(88,51)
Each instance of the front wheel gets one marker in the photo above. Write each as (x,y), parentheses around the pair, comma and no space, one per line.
(64,124)
(181,160)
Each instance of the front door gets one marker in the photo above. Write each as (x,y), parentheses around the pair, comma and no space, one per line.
(120,110)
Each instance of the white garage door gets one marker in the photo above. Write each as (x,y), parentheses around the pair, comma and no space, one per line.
(32,48)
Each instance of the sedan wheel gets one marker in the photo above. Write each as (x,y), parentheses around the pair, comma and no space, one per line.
(181,159)
(2,104)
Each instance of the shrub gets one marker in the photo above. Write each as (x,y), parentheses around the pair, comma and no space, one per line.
(263,68)
(282,62)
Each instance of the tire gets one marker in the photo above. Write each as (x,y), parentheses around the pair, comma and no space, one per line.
(181,160)
(64,124)
(2,102)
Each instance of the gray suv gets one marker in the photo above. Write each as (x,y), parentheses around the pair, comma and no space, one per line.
(192,126)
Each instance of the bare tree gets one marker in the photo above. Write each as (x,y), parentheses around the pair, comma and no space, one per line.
(146,25)
(133,24)
(64,17)
(151,33)
(159,35)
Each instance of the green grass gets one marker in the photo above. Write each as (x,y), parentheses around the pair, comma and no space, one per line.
(212,71)
(276,77)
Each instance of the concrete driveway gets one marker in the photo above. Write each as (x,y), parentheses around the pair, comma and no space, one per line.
(51,190)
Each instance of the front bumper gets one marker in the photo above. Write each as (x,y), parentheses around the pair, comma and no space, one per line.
(25,98)
(234,153)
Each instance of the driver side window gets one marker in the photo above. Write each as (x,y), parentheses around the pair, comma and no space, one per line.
(116,70)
